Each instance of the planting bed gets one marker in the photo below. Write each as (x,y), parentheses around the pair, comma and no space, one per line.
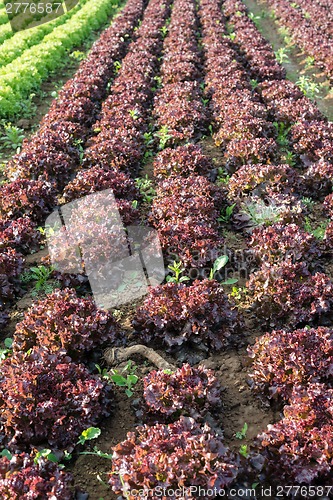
(220,377)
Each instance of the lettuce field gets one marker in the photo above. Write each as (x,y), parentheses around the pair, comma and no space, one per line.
(166,236)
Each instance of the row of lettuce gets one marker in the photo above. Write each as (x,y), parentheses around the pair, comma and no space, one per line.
(310,28)
(286,291)
(79,399)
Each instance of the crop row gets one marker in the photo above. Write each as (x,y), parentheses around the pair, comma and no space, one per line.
(284,289)
(288,290)
(79,399)
(320,15)
(119,142)
(178,105)
(110,158)
(310,38)
(48,159)
(29,70)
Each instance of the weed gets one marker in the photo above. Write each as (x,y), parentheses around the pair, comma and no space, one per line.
(227,214)
(238,293)
(308,86)
(127,381)
(242,434)
(281,55)
(158,85)
(145,186)
(164,30)
(319,231)
(41,275)
(309,62)
(244,451)
(164,136)
(219,264)
(134,114)
(117,66)
(78,55)
(79,144)
(282,134)
(289,158)
(119,379)
(177,268)
(4,353)
(253,17)
(222,176)
(88,434)
(12,137)
(308,202)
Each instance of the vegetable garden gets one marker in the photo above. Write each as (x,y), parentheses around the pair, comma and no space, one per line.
(218,382)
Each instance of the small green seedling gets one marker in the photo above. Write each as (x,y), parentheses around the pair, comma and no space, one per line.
(4,353)
(12,137)
(226,216)
(237,293)
(308,202)
(309,88)
(282,55)
(46,453)
(146,188)
(282,134)
(289,158)
(177,268)
(164,136)
(89,434)
(222,176)
(309,62)
(98,453)
(219,264)
(134,114)
(117,66)
(242,434)
(41,275)
(148,138)
(244,451)
(164,30)
(77,55)
(127,381)
(6,453)
(319,231)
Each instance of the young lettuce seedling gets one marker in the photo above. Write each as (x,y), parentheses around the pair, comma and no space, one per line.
(177,269)
(219,264)
(242,434)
